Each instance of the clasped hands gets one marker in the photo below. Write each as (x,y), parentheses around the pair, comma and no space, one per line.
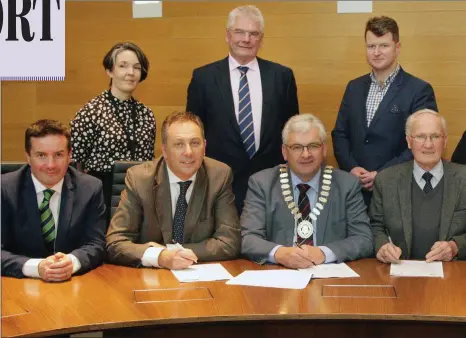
(440,251)
(301,257)
(366,178)
(56,268)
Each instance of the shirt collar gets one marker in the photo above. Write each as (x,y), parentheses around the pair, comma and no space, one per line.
(172,178)
(436,171)
(389,79)
(40,187)
(253,64)
(313,183)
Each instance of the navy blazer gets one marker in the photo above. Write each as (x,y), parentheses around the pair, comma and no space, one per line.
(383,143)
(459,155)
(81,225)
(210,97)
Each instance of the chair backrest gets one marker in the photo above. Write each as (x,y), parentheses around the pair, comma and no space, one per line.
(118,181)
(11,166)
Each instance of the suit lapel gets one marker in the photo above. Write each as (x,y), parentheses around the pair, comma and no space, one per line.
(66,209)
(389,96)
(450,196)
(32,210)
(405,192)
(162,198)
(195,204)
(365,93)
(268,86)
(222,78)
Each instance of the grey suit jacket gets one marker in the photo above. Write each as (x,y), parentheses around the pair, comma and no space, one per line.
(343,225)
(391,210)
(145,214)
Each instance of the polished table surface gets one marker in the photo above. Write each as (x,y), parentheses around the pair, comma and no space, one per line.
(114,297)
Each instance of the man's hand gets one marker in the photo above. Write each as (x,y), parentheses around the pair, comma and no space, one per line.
(177,259)
(294,257)
(56,268)
(442,251)
(315,253)
(358,172)
(389,253)
(367,180)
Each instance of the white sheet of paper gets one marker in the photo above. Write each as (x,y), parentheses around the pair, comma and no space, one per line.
(284,279)
(354,6)
(202,273)
(417,269)
(332,270)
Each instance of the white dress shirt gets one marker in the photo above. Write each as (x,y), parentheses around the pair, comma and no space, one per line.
(437,173)
(151,255)
(255,91)
(31,267)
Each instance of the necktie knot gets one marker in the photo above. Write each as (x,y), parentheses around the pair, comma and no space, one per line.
(48,194)
(427,176)
(243,69)
(303,188)
(184,186)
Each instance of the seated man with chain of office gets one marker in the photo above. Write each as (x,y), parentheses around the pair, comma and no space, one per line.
(304,213)
(53,216)
(177,209)
(418,210)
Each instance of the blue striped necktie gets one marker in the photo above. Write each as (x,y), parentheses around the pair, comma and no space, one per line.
(246,125)
(47,222)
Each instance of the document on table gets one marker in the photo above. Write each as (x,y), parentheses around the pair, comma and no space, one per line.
(202,273)
(417,269)
(331,270)
(284,279)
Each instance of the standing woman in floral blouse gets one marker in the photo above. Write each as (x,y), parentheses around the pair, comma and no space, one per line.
(114,126)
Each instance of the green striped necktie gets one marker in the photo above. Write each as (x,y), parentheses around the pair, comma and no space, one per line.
(47,222)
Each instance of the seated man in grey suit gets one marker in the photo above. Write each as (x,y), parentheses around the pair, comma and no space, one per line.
(53,222)
(418,210)
(304,213)
(182,197)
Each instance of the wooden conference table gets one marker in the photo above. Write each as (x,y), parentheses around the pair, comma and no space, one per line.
(130,302)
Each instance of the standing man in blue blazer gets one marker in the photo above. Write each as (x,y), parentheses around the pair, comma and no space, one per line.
(244,102)
(369,133)
(53,218)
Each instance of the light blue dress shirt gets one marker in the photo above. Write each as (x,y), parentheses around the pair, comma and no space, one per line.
(437,173)
(312,194)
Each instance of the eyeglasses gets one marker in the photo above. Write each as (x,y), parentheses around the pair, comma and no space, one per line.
(423,138)
(299,148)
(240,33)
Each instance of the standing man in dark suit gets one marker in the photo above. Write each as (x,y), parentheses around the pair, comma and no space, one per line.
(244,102)
(459,155)
(419,207)
(369,132)
(53,219)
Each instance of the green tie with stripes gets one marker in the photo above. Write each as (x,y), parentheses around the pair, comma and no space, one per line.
(47,222)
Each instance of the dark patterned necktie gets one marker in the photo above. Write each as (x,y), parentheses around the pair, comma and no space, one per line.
(304,208)
(427,177)
(47,223)
(245,121)
(180,212)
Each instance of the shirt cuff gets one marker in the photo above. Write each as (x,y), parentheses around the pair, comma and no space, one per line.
(272,254)
(31,267)
(151,256)
(330,257)
(76,263)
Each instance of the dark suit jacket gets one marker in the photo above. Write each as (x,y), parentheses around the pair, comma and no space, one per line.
(391,208)
(342,226)
(210,97)
(459,155)
(145,214)
(383,143)
(81,224)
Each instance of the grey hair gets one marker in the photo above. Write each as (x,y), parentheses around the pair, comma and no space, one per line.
(301,124)
(249,11)
(415,116)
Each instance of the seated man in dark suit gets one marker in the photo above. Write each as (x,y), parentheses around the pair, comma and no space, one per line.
(418,210)
(53,222)
(177,209)
(369,131)
(459,155)
(304,213)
